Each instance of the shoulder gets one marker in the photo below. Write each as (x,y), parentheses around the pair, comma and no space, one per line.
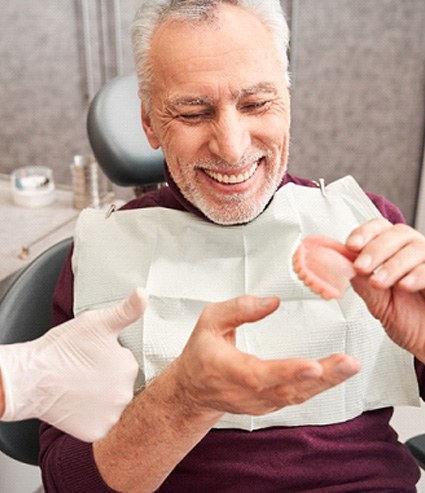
(385,207)
(163,197)
(298,181)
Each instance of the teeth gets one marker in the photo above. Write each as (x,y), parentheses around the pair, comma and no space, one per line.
(232,179)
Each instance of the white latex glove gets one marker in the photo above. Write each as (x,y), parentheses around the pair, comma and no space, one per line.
(76,377)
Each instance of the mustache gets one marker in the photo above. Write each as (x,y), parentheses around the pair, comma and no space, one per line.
(215,164)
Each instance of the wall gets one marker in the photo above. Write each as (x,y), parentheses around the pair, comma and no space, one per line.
(358,77)
(357,101)
(358,93)
(16,477)
(357,85)
(54,55)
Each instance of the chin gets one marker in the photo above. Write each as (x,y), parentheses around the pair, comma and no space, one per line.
(233,215)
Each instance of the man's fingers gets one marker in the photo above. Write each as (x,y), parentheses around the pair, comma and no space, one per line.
(117,317)
(339,367)
(360,236)
(268,385)
(264,374)
(226,316)
(325,372)
(307,382)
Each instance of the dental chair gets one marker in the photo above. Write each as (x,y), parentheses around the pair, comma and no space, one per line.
(416,445)
(117,138)
(125,156)
(25,311)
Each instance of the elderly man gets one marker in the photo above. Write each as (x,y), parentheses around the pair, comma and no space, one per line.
(303,401)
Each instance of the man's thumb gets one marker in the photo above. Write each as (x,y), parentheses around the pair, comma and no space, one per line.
(225,316)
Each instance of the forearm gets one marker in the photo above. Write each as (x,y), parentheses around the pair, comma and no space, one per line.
(154,434)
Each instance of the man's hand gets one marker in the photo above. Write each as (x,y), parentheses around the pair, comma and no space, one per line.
(391,280)
(214,375)
(76,377)
(210,377)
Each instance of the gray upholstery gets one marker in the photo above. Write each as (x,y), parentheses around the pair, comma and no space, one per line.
(25,314)
(117,138)
(416,445)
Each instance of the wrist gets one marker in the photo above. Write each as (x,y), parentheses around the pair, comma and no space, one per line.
(180,397)
(19,381)
(153,435)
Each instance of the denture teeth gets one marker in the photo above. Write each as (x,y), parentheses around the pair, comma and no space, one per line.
(232,179)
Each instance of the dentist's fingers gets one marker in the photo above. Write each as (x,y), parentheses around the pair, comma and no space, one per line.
(115,318)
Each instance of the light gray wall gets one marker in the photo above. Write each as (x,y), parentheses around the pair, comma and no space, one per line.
(357,97)
(357,91)
(44,91)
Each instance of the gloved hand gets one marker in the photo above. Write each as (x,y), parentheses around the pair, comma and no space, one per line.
(76,377)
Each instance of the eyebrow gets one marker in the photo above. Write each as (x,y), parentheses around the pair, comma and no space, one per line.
(188,101)
(262,87)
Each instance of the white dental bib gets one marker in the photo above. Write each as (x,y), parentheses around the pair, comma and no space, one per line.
(185,263)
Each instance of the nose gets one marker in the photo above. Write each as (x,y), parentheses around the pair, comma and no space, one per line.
(230,136)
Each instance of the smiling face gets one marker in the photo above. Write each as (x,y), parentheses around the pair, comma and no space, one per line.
(220,112)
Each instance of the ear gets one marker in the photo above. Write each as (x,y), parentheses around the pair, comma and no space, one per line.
(148,128)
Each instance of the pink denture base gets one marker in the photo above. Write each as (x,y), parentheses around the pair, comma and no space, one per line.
(324,265)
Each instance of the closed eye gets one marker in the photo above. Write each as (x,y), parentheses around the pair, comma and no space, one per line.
(256,106)
(190,116)
(194,117)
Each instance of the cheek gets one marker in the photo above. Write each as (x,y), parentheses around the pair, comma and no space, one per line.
(274,141)
(187,144)
(181,151)
(274,128)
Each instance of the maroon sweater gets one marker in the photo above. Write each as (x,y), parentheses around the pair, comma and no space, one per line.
(360,455)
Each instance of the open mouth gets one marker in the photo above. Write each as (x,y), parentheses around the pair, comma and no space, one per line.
(232,179)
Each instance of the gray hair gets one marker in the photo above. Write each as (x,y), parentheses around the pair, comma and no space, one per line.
(152,13)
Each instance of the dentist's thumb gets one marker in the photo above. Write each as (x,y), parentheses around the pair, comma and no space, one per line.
(115,318)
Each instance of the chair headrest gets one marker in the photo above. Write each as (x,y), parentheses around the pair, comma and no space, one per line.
(117,138)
